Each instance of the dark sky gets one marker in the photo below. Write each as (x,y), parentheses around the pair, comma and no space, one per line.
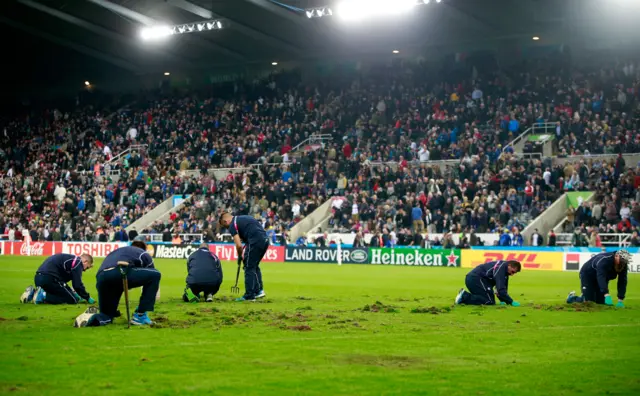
(36,66)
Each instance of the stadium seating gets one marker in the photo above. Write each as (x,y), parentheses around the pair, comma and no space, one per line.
(85,175)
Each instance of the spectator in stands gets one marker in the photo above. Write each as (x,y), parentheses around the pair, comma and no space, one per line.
(517,239)
(594,238)
(537,239)
(505,238)
(552,238)
(635,239)
(579,239)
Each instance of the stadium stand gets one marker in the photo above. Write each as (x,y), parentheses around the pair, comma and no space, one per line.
(84,175)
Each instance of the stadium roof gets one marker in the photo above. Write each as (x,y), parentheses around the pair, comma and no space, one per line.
(59,39)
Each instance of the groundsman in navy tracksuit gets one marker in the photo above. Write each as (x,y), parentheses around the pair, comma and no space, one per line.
(247,230)
(140,273)
(204,275)
(595,275)
(482,279)
(52,277)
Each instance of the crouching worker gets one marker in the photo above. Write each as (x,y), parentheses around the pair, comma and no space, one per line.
(52,277)
(595,275)
(140,273)
(204,275)
(482,279)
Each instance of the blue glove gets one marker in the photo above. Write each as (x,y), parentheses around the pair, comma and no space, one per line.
(608,300)
(515,304)
(91,300)
(620,304)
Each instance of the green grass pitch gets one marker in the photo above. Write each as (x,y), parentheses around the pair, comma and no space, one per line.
(326,330)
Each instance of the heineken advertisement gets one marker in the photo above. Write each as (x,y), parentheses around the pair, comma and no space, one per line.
(419,257)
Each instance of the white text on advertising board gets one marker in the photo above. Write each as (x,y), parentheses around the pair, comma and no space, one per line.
(229,253)
(322,255)
(414,257)
(94,249)
(174,252)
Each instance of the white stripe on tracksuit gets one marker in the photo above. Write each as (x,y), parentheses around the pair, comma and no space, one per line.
(247,252)
(488,289)
(66,288)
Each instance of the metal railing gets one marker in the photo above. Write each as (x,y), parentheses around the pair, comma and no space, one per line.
(134,147)
(313,139)
(528,155)
(535,128)
(186,238)
(618,240)
(213,171)
(226,237)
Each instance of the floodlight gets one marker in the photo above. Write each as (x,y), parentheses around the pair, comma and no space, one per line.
(87,83)
(274,63)
(167,73)
(351,10)
(360,9)
(395,51)
(155,32)
(536,38)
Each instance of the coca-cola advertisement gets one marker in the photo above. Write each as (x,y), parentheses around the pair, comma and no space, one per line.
(30,248)
(229,253)
(96,249)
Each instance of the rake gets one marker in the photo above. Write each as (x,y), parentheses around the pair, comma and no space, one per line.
(122,265)
(235,289)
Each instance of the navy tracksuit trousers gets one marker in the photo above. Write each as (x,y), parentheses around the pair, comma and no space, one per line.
(590,289)
(110,288)
(58,292)
(480,292)
(252,256)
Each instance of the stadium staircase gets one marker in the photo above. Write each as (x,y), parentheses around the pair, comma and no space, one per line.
(159,213)
(538,128)
(315,142)
(218,173)
(311,222)
(548,220)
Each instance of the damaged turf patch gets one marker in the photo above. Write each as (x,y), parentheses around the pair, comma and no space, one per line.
(431,310)
(575,307)
(382,360)
(299,328)
(379,307)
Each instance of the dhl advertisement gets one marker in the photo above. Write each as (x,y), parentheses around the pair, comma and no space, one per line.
(543,261)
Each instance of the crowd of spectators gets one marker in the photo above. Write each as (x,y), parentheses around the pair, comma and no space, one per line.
(57,169)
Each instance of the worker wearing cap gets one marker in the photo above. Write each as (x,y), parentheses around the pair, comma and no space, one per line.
(595,275)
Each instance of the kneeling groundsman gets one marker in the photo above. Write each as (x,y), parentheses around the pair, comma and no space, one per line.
(482,279)
(204,275)
(140,273)
(595,275)
(52,277)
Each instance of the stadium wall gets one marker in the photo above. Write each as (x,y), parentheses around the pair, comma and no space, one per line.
(532,258)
